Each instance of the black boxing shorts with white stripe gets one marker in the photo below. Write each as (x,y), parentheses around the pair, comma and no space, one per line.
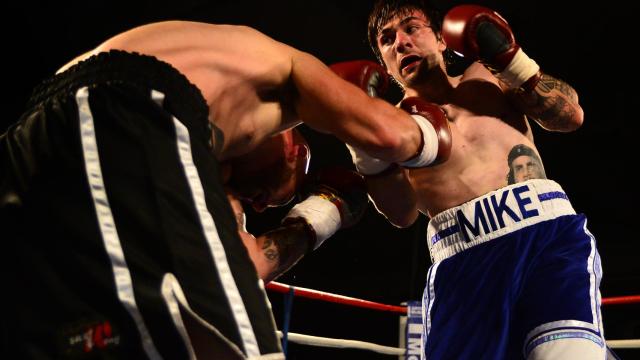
(119,241)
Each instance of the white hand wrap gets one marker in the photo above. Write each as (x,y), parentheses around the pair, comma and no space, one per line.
(321,214)
(365,164)
(430,144)
(520,69)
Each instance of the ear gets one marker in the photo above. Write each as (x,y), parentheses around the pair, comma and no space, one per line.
(298,151)
(442,46)
(290,149)
(302,156)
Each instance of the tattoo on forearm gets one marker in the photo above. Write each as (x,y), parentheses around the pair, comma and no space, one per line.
(285,245)
(553,103)
(270,250)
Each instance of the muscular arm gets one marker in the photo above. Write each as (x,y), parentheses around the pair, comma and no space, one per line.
(276,251)
(280,249)
(328,103)
(480,33)
(553,104)
(394,197)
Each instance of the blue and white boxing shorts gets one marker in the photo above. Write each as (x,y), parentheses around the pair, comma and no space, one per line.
(515,275)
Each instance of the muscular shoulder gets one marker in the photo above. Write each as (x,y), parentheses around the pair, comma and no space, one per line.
(477,71)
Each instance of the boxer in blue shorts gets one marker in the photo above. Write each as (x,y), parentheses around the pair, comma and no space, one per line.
(515,272)
(506,254)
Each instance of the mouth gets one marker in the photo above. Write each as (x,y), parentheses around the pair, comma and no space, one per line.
(256,198)
(409,63)
(259,201)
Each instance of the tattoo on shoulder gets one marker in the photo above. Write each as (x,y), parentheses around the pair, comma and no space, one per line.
(524,164)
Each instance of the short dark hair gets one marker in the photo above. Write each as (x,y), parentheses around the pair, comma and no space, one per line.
(385,10)
(517,151)
(521,150)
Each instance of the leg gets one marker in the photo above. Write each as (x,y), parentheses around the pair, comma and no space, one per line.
(559,308)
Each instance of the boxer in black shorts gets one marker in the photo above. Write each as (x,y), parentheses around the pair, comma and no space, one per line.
(120,240)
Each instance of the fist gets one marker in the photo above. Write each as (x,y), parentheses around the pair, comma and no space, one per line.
(345,188)
(367,75)
(480,33)
(335,198)
(436,133)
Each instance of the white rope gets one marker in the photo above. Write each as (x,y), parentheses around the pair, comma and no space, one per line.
(342,343)
(624,344)
(389,350)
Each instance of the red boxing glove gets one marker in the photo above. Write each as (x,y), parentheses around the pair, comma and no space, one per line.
(373,79)
(480,33)
(336,199)
(436,133)
(367,75)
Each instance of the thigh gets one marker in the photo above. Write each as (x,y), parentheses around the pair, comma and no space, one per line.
(558,312)
(467,303)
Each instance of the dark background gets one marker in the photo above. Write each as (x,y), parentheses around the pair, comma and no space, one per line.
(589,47)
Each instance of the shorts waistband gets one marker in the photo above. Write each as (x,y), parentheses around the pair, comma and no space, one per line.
(495,214)
(115,66)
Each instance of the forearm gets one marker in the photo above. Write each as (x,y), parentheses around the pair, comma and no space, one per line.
(275,251)
(280,249)
(480,33)
(394,197)
(330,104)
(552,103)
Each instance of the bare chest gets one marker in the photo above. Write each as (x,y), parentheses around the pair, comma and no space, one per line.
(482,138)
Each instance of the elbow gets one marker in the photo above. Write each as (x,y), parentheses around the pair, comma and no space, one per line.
(577,119)
(573,120)
(386,144)
(393,135)
(567,122)
(402,221)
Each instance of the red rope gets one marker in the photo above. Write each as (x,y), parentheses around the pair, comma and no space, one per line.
(632,299)
(341,299)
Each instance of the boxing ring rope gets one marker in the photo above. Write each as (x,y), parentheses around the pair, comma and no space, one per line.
(328,297)
(342,343)
(382,349)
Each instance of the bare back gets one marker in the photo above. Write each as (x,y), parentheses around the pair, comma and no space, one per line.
(485,129)
(241,73)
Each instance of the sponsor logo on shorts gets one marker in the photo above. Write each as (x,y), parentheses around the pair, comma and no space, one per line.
(90,337)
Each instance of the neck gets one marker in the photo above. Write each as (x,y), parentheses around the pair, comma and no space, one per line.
(438,87)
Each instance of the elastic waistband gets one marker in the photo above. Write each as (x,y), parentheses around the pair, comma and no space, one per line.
(495,214)
(132,68)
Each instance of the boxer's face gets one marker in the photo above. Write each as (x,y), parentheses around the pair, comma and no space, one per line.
(409,47)
(268,176)
(277,187)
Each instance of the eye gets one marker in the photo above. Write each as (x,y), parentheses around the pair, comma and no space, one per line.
(411,29)
(385,40)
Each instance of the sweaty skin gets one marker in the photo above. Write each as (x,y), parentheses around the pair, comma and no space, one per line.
(256,87)
(487,120)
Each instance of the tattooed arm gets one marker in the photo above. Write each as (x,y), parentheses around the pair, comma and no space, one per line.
(553,104)
(276,251)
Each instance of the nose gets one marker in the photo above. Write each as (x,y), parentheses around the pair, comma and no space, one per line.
(403,40)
